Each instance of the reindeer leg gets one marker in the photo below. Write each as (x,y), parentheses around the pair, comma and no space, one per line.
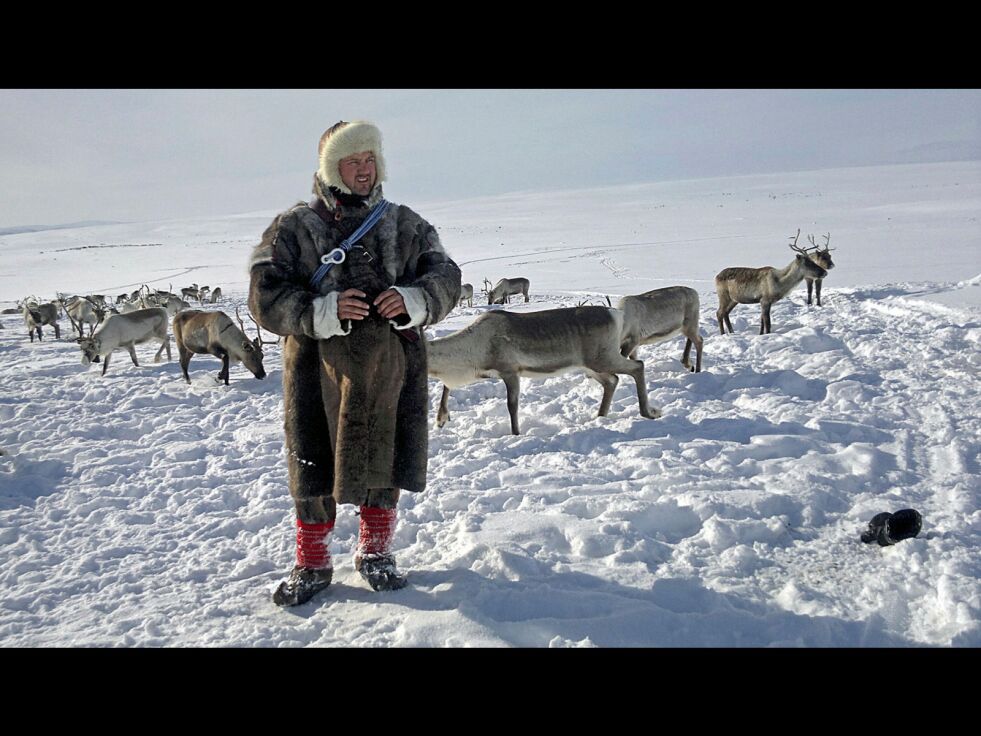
(726,316)
(166,342)
(637,371)
(513,384)
(105,362)
(698,352)
(635,368)
(817,288)
(443,415)
(686,356)
(224,368)
(185,355)
(57,331)
(609,383)
(810,287)
(132,354)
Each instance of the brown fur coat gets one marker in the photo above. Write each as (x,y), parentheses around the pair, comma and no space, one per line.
(356,405)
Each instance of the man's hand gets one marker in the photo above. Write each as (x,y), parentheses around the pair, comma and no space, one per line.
(390,304)
(351,306)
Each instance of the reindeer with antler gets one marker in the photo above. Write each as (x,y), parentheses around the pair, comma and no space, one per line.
(762,286)
(821,258)
(214,333)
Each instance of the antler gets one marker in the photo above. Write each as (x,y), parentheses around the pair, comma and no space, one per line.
(242,325)
(827,239)
(239,318)
(258,331)
(796,247)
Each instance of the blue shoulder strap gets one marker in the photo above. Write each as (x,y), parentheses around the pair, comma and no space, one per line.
(340,253)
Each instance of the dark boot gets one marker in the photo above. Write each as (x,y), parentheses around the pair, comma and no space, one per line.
(313,570)
(374,559)
(302,585)
(380,571)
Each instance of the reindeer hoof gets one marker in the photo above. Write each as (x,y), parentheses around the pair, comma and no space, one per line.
(654,414)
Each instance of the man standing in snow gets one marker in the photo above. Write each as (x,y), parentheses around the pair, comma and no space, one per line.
(349,279)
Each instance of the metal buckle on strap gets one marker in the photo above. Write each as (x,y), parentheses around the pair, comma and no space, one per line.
(335,257)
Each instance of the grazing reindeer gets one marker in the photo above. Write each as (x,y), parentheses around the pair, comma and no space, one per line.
(466,294)
(659,315)
(507,345)
(501,294)
(762,286)
(214,333)
(216,295)
(126,331)
(190,292)
(821,258)
(202,293)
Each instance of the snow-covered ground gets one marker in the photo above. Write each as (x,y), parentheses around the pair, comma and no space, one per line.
(137,510)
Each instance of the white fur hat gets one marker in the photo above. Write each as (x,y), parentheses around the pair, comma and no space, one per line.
(345,139)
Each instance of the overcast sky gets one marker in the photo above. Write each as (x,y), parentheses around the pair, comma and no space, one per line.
(131,155)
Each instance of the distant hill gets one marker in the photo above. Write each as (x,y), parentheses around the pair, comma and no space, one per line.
(38,228)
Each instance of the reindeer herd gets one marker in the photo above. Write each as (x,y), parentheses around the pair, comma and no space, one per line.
(144,316)
(599,341)
(602,342)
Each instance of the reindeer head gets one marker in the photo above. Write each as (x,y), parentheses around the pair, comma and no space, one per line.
(91,348)
(821,257)
(252,354)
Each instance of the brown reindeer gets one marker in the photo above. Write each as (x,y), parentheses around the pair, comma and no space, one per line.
(214,333)
(762,286)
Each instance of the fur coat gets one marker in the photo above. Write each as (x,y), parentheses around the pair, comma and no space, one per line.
(356,403)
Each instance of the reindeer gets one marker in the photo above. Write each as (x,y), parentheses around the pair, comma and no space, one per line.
(508,345)
(216,295)
(190,292)
(202,293)
(214,333)
(762,286)
(466,294)
(37,315)
(821,258)
(501,294)
(659,315)
(126,331)
(82,310)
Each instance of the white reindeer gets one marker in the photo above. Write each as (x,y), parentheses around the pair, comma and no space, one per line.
(762,286)
(506,288)
(508,345)
(126,331)
(466,295)
(82,310)
(658,315)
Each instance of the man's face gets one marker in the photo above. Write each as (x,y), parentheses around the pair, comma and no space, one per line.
(358,172)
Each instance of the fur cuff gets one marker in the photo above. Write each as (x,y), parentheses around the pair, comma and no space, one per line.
(325,321)
(415,305)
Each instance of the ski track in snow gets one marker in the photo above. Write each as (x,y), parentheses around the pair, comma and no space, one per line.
(139,511)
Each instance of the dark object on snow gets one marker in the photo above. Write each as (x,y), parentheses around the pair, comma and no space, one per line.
(380,571)
(886,528)
(302,585)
